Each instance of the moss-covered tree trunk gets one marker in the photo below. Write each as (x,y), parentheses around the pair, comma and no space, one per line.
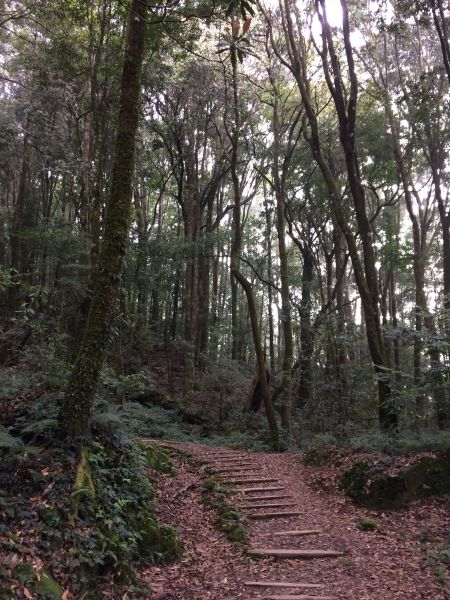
(76,409)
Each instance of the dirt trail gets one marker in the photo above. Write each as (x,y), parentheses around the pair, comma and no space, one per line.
(382,565)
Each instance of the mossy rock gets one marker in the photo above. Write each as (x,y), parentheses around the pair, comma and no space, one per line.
(322,456)
(429,477)
(368,524)
(354,480)
(369,486)
(45,586)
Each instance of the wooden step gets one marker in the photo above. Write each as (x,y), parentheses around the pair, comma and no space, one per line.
(293,532)
(220,458)
(230,465)
(258,506)
(254,480)
(236,469)
(238,472)
(234,465)
(263,498)
(232,477)
(282,584)
(259,489)
(273,515)
(224,455)
(240,477)
(298,597)
(298,553)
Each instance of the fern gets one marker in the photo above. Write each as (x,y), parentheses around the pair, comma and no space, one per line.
(38,427)
(107,418)
(8,441)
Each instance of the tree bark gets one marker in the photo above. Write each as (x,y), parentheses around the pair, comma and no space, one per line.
(76,409)
(345,102)
(234,264)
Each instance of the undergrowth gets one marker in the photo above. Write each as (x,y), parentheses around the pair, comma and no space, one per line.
(228,520)
(375,441)
(87,537)
(78,535)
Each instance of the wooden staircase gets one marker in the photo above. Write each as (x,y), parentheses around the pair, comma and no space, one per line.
(256,496)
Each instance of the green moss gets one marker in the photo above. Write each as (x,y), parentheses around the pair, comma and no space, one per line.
(159,542)
(234,532)
(368,524)
(375,487)
(41,583)
(47,587)
(228,520)
(210,484)
(159,458)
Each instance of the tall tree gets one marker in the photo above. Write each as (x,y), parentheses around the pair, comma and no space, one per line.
(77,406)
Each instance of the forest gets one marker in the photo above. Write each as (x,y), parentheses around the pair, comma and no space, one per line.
(224,252)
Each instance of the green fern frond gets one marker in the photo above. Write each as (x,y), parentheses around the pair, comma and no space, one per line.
(8,441)
(38,427)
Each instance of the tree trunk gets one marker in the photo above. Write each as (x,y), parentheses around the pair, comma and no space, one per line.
(269,287)
(306,331)
(345,103)
(234,264)
(19,247)
(76,409)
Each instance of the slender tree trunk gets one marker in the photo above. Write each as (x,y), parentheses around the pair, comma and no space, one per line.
(306,331)
(19,248)
(78,401)
(269,287)
(236,273)
(286,320)
(345,103)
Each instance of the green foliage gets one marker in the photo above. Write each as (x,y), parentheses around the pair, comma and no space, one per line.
(12,383)
(9,442)
(159,458)
(154,422)
(377,441)
(6,279)
(228,520)
(114,527)
(126,385)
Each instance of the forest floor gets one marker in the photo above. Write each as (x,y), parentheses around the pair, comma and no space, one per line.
(399,560)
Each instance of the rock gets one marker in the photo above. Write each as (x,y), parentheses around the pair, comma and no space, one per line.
(368,485)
